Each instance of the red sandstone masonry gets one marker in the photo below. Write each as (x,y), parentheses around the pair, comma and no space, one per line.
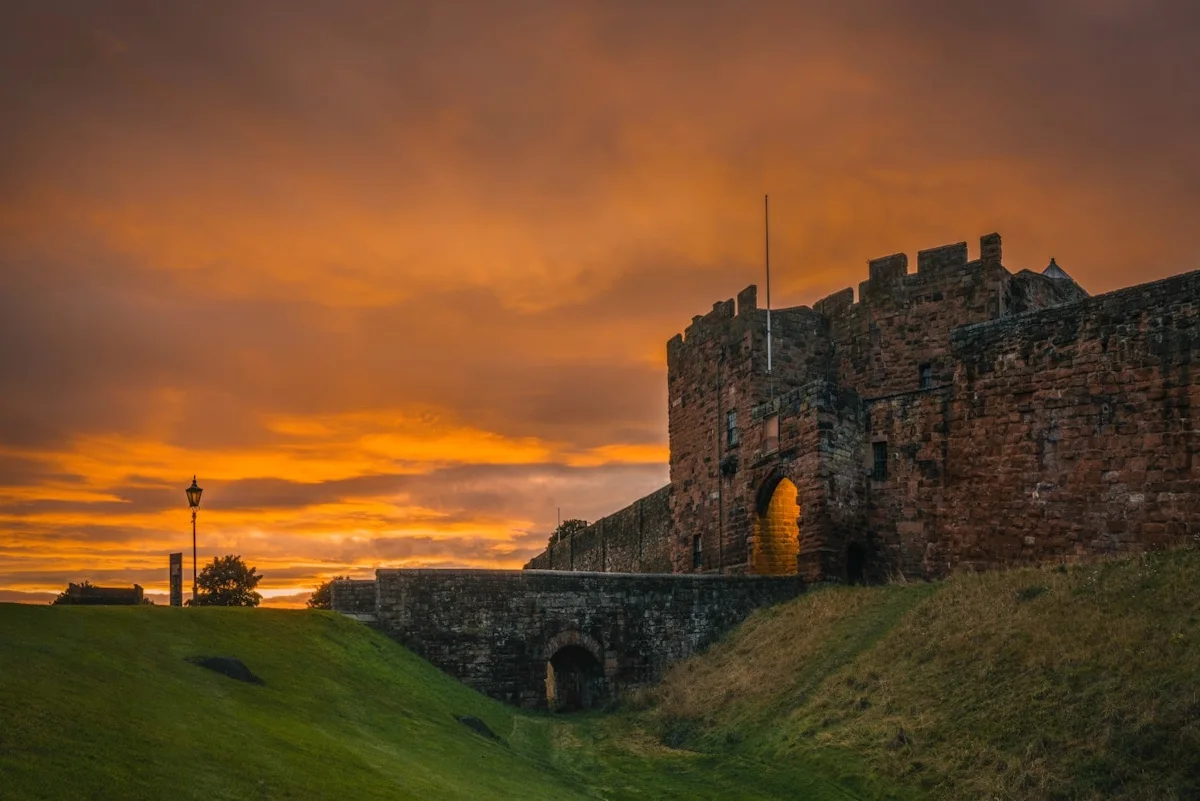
(1074,430)
(1051,425)
(718,366)
(903,321)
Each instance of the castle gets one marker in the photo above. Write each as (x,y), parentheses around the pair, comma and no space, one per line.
(957,417)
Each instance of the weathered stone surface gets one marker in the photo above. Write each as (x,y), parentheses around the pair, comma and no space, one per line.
(1016,420)
(497,630)
(353,596)
(955,417)
(633,540)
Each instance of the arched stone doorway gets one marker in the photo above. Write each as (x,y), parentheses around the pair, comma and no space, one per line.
(776,529)
(575,677)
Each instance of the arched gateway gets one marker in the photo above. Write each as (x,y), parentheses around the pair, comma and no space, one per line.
(776,544)
(575,677)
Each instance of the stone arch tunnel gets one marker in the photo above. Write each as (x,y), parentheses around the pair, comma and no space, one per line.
(576,677)
(555,639)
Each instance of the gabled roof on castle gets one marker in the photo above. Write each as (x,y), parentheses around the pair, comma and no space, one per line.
(1056,272)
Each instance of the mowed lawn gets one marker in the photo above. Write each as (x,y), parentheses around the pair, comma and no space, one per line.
(101,702)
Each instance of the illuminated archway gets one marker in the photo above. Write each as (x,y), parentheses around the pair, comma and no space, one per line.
(776,530)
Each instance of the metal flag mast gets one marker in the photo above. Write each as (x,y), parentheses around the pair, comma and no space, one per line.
(767,248)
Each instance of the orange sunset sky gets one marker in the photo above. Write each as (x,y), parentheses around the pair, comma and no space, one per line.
(394,280)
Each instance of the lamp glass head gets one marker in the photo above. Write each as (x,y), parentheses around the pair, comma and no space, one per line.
(193,494)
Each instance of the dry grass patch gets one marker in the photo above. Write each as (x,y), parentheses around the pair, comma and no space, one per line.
(733,696)
(1038,683)
(759,660)
(1054,683)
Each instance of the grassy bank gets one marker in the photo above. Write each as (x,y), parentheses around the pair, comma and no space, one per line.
(101,702)
(1081,682)
(1059,683)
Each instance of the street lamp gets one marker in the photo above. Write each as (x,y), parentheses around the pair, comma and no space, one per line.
(193,496)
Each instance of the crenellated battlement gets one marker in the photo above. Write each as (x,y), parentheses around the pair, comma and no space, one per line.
(890,282)
(730,317)
(945,258)
(898,328)
(956,415)
(880,342)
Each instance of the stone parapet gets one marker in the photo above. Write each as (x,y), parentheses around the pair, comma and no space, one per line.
(493,629)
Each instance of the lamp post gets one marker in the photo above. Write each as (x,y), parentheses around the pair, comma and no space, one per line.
(193,496)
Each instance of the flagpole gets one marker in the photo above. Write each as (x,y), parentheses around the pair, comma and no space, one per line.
(767,248)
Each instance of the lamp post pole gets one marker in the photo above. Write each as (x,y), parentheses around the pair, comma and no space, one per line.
(193,496)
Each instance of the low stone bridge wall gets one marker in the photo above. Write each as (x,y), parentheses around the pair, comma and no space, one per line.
(354,597)
(539,638)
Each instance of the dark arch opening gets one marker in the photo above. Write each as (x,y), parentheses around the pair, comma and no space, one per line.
(574,679)
(762,499)
(856,564)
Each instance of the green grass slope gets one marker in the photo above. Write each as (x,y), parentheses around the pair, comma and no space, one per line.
(1076,683)
(100,702)
(1039,683)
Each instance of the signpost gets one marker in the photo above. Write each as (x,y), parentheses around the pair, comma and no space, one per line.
(177,579)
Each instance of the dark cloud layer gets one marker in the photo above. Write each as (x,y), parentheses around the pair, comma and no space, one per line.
(400,276)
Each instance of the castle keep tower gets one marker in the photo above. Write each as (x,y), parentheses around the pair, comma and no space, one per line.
(716,378)
(958,416)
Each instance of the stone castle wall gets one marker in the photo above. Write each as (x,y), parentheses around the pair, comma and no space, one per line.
(353,596)
(496,629)
(1029,291)
(1074,430)
(1063,432)
(636,539)
(1021,421)
(716,367)
(903,321)
(818,425)
(905,509)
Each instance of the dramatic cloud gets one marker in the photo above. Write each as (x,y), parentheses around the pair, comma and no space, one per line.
(395,280)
